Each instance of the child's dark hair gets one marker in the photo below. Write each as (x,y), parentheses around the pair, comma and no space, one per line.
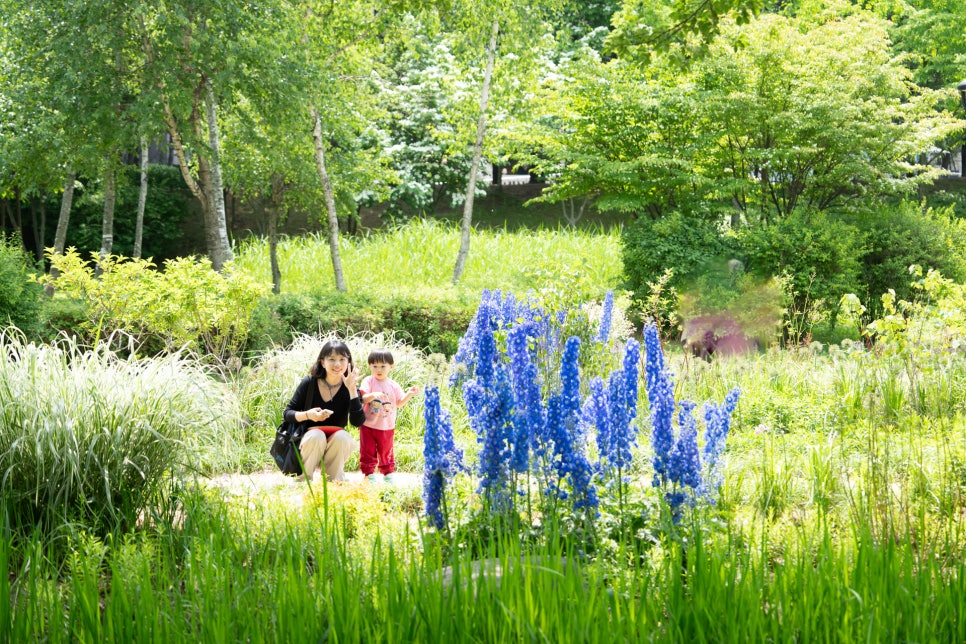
(380,356)
(332,346)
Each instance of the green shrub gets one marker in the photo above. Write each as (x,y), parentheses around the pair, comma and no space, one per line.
(434,326)
(821,254)
(63,316)
(188,304)
(901,235)
(684,243)
(19,297)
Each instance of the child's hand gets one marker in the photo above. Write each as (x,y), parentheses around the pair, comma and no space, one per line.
(414,390)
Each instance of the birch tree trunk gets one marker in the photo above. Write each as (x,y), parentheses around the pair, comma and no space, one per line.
(224,253)
(273,233)
(467,224)
(63,219)
(142,200)
(107,225)
(329,203)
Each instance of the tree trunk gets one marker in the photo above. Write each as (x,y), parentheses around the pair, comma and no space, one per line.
(107,224)
(200,188)
(277,187)
(60,236)
(37,227)
(329,203)
(142,200)
(18,220)
(467,224)
(223,246)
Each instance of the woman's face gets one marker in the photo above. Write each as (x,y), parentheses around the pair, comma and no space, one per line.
(335,364)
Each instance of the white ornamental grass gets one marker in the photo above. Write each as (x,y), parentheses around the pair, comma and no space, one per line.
(89,437)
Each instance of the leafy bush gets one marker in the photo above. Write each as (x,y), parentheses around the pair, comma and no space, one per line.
(19,296)
(88,438)
(187,304)
(62,316)
(682,242)
(432,325)
(899,236)
(821,254)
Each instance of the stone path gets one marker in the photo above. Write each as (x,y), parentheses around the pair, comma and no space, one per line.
(275,482)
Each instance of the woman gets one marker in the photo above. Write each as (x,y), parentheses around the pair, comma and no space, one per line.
(323,403)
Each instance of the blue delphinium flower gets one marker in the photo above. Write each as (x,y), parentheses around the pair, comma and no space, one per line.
(569,460)
(595,413)
(660,395)
(570,377)
(486,354)
(717,422)
(493,422)
(684,466)
(464,362)
(441,457)
(605,318)
(527,400)
(632,361)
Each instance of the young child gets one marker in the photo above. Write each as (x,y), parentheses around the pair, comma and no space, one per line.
(382,397)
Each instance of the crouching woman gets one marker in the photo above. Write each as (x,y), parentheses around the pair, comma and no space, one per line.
(324,403)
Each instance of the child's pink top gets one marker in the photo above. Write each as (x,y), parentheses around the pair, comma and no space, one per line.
(381,415)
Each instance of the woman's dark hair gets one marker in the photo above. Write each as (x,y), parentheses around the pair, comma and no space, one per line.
(380,356)
(332,346)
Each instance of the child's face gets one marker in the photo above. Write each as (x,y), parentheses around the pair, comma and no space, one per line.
(380,370)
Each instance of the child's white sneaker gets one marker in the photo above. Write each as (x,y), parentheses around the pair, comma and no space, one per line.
(372,478)
(390,478)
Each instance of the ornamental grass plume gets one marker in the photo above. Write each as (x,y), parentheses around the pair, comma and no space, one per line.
(441,456)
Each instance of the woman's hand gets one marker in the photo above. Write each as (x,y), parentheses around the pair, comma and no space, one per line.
(351,378)
(317,414)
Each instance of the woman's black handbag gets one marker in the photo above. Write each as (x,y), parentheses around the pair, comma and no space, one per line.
(285,448)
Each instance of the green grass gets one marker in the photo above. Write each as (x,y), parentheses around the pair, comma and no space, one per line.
(418,258)
(216,578)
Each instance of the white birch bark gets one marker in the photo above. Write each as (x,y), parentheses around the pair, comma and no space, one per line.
(142,200)
(329,203)
(224,253)
(63,219)
(467,223)
(107,223)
